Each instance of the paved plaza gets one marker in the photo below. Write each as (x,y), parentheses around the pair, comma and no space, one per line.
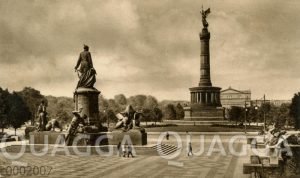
(216,165)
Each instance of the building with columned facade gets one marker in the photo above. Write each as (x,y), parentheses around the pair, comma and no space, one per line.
(232,97)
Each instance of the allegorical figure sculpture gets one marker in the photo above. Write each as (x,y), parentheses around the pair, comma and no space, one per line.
(85,68)
(52,124)
(42,119)
(128,119)
(204,15)
(77,120)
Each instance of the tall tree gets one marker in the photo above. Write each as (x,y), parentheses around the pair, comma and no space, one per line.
(295,110)
(63,117)
(169,112)
(266,110)
(252,114)
(103,103)
(236,113)
(19,112)
(137,101)
(283,117)
(147,115)
(114,106)
(109,116)
(4,108)
(60,108)
(157,115)
(150,102)
(120,99)
(179,112)
(32,98)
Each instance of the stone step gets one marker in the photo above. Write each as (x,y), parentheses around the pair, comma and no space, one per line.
(165,149)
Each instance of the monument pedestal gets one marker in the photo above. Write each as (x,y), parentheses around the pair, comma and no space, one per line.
(87,99)
(46,137)
(110,138)
(136,136)
(205,104)
(200,113)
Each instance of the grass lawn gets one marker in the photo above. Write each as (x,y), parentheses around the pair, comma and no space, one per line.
(201,128)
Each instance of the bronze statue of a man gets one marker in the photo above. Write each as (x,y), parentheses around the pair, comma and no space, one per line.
(85,68)
(42,119)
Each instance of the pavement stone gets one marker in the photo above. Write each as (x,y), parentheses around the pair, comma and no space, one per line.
(143,166)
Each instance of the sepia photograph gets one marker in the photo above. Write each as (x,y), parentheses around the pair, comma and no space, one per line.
(150,89)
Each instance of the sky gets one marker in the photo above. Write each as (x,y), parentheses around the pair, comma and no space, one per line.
(151,47)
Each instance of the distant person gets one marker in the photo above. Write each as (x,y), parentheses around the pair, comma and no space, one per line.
(129,151)
(187,133)
(190,149)
(123,150)
(167,135)
(119,149)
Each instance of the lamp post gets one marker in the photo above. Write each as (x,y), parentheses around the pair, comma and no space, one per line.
(256,108)
(246,117)
(105,115)
(264,113)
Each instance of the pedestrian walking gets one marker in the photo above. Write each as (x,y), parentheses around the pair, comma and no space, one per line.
(188,135)
(123,150)
(129,151)
(190,149)
(119,149)
(167,135)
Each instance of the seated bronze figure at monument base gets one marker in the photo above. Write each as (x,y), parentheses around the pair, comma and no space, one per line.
(52,124)
(129,119)
(76,126)
(128,126)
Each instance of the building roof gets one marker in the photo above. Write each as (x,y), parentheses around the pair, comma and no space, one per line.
(238,91)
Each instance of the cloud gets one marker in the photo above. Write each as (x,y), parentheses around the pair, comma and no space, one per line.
(150,47)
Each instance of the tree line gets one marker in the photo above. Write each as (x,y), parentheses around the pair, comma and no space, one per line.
(152,110)
(14,111)
(19,107)
(283,115)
